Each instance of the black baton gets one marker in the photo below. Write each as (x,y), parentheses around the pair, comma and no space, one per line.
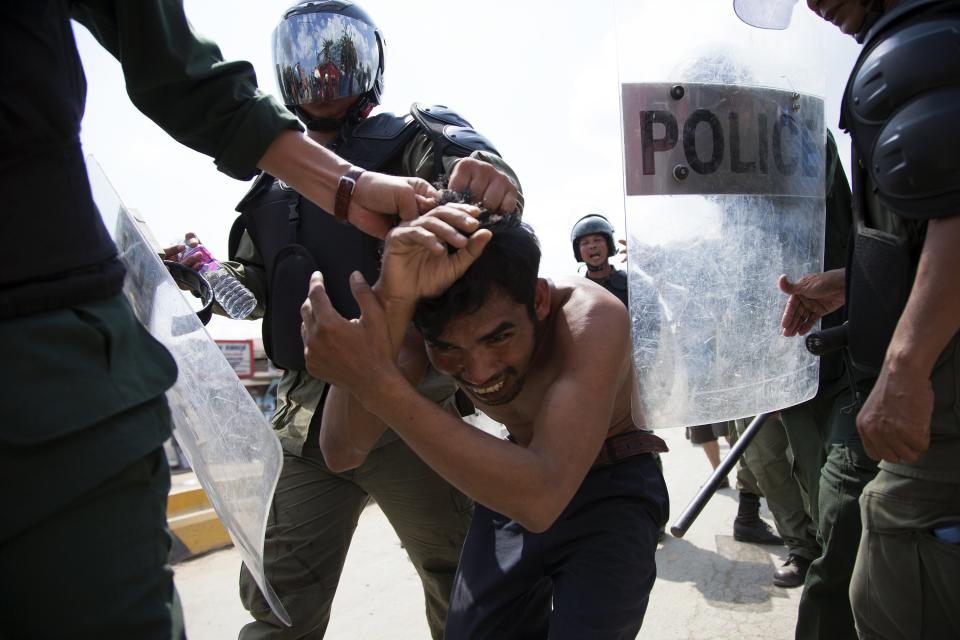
(706,492)
(825,341)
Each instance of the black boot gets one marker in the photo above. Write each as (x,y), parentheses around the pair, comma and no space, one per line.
(748,526)
(792,573)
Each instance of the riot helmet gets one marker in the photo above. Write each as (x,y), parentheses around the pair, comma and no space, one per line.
(590,224)
(324,50)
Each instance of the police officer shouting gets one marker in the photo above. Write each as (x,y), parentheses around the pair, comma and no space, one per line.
(899,290)
(592,238)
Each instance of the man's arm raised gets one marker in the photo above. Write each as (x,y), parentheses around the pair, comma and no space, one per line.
(349,431)
(531,485)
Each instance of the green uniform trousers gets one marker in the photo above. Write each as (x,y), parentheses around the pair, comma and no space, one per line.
(314,515)
(765,470)
(97,567)
(807,426)
(829,421)
(906,583)
(83,477)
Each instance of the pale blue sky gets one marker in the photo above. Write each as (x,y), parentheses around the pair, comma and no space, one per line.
(537,78)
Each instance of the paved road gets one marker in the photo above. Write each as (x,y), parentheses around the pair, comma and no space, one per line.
(709,586)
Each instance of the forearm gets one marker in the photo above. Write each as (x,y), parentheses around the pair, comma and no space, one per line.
(310,169)
(513,480)
(399,314)
(349,432)
(932,315)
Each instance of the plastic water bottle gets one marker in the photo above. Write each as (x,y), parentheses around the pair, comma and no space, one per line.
(233,297)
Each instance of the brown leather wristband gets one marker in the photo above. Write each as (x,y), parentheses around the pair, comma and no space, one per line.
(345,190)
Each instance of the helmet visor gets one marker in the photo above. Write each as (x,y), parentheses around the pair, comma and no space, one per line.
(319,57)
(765,14)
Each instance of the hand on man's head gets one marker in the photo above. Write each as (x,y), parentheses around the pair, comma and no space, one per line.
(377,193)
(488,185)
(423,257)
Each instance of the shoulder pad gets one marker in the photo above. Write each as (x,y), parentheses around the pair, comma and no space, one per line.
(450,132)
(904,9)
(901,107)
(467,140)
(915,161)
(910,61)
(438,113)
(383,126)
(377,140)
(261,185)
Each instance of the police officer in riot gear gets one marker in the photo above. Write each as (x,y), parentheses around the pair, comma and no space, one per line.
(86,414)
(592,239)
(329,58)
(903,315)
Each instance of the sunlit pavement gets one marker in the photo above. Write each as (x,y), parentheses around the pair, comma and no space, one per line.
(708,586)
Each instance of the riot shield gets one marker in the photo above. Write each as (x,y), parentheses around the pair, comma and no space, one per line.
(724,143)
(221,430)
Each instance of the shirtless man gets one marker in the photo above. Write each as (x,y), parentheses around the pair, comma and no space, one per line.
(570,505)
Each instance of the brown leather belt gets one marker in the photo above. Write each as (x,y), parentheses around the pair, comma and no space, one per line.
(628,444)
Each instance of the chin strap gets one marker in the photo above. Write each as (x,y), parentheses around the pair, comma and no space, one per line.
(316,124)
(596,269)
(874,13)
(357,112)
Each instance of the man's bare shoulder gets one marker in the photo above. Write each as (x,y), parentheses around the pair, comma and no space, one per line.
(590,312)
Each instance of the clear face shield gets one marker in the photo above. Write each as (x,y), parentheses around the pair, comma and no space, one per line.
(320,57)
(765,14)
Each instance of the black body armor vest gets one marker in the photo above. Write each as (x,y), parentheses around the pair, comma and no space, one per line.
(616,284)
(295,237)
(902,108)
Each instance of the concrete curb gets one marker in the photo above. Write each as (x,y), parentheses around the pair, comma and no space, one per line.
(194,524)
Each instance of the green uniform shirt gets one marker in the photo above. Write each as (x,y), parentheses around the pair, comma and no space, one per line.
(179,80)
(84,385)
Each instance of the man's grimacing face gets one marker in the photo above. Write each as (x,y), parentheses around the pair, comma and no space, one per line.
(593,249)
(489,352)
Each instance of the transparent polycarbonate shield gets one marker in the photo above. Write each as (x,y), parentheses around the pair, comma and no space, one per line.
(724,141)
(221,430)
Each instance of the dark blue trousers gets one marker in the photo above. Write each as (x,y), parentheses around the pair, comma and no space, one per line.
(588,576)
